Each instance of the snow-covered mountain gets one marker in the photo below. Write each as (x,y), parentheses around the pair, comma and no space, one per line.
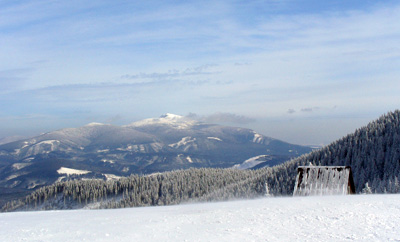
(151,145)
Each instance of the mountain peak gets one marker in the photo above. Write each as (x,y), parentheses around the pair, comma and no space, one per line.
(94,124)
(171,116)
(169,119)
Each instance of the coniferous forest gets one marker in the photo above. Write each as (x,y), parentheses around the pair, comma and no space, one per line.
(373,152)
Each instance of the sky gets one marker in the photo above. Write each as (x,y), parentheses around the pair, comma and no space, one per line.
(307,72)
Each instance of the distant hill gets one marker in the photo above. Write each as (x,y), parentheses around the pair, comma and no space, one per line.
(152,145)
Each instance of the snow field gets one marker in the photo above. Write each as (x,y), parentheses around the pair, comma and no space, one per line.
(327,218)
(70,171)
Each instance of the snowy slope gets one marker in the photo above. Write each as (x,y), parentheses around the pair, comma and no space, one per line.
(329,218)
(252,162)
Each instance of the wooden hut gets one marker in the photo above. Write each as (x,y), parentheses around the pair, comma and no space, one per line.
(324,180)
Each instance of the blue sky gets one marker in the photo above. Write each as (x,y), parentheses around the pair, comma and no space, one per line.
(307,72)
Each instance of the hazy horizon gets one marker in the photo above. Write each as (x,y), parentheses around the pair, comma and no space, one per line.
(276,129)
(304,72)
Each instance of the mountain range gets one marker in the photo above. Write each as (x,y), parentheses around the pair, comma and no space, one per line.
(372,152)
(152,145)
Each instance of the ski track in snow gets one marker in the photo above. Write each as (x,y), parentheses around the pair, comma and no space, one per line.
(327,218)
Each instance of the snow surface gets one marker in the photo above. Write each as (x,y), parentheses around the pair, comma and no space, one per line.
(19,166)
(318,218)
(252,162)
(45,146)
(214,138)
(257,138)
(14,176)
(189,159)
(185,142)
(108,160)
(112,177)
(70,171)
(103,151)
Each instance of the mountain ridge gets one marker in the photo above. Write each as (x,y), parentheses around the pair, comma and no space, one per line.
(152,145)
